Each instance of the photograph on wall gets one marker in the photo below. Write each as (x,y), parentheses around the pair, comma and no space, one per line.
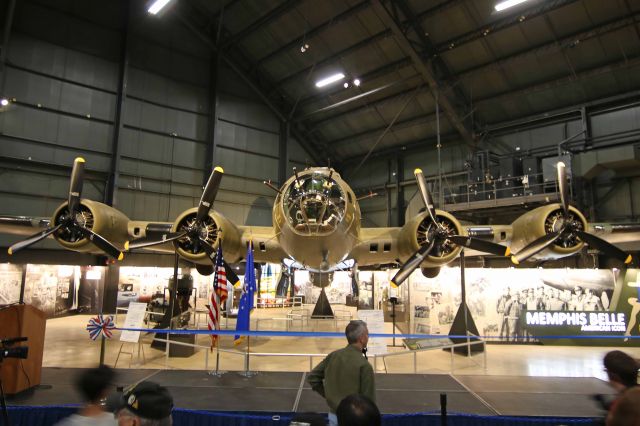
(10,282)
(59,290)
(498,299)
(365,290)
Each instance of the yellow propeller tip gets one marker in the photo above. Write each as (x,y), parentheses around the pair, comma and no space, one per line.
(626,261)
(126,246)
(416,171)
(507,252)
(121,256)
(79,160)
(394,285)
(219,169)
(10,251)
(514,260)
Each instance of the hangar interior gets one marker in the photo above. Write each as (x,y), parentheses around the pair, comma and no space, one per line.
(484,102)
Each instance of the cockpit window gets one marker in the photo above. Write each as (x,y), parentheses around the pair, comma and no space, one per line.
(314,204)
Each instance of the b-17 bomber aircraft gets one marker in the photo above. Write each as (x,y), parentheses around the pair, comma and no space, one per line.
(317,225)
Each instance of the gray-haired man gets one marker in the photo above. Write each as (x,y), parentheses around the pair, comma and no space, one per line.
(345,371)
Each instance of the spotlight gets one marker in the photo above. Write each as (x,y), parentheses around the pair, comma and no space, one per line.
(4,102)
(356,82)
(346,85)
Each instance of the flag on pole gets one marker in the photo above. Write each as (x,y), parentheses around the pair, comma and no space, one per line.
(218,295)
(246,300)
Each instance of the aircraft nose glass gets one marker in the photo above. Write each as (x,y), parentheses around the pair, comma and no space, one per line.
(315,205)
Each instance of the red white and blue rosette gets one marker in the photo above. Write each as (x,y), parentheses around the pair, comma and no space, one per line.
(99,325)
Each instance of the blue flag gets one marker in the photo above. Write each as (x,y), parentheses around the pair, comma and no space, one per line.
(246,300)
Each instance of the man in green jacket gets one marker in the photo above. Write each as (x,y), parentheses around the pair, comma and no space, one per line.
(345,371)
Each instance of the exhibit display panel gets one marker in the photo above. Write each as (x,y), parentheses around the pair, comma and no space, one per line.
(10,282)
(59,290)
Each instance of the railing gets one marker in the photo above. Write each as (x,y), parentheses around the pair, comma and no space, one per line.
(278,302)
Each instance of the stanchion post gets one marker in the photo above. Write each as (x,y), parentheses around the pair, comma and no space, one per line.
(443,409)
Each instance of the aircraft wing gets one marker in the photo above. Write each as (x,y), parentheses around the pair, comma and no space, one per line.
(625,236)
(23,225)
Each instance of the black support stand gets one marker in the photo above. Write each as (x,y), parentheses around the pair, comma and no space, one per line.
(463,323)
(5,413)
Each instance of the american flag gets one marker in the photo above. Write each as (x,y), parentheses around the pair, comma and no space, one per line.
(218,295)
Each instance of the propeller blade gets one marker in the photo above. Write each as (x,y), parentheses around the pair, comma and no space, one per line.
(211,252)
(480,245)
(75,185)
(564,188)
(410,265)
(32,239)
(153,241)
(605,247)
(426,197)
(536,247)
(101,243)
(209,193)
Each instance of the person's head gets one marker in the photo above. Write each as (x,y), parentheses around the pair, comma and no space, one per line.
(146,404)
(621,369)
(95,383)
(626,411)
(358,410)
(577,290)
(357,333)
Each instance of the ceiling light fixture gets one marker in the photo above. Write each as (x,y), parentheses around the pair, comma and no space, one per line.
(345,85)
(507,4)
(331,79)
(356,82)
(157,6)
(4,102)
(304,48)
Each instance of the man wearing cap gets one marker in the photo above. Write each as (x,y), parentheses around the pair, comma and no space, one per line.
(146,404)
(345,371)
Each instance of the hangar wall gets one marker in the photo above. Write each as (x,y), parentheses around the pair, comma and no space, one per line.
(610,193)
(67,62)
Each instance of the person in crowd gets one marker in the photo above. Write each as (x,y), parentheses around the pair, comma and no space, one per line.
(512,314)
(502,319)
(622,371)
(554,302)
(345,371)
(627,409)
(145,404)
(591,301)
(358,410)
(577,300)
(94,385)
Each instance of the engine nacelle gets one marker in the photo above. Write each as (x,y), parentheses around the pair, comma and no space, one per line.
(215,225)
(100,218)
(413,236)
(541,221)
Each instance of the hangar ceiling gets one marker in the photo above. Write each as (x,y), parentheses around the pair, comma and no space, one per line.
(486,67)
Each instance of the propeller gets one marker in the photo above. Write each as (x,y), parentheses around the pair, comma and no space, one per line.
(194,230)
(436,233)
(570,228)
(72,222)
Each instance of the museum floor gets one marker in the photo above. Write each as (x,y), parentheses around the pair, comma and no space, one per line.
(519,380)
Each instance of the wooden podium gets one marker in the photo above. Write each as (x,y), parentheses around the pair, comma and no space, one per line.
(22,321)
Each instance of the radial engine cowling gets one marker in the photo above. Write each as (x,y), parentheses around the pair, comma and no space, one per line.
(543,220)
(214,225)
(413,236)
(100,218)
